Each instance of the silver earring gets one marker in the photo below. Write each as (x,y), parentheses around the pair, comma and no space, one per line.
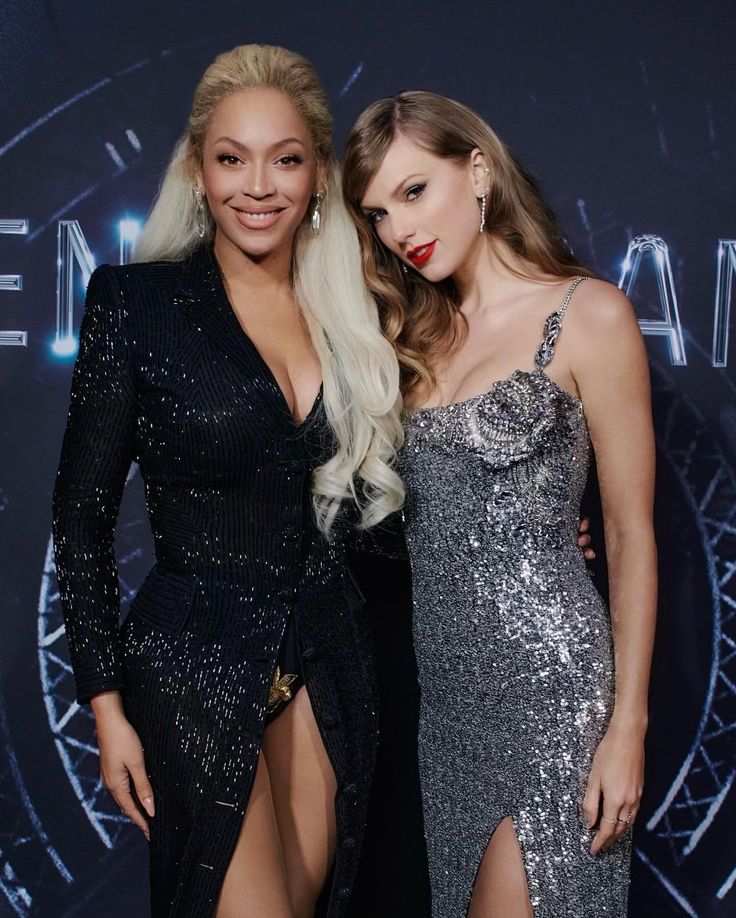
(201,221)
(404,269)
(483,201)
(317,213)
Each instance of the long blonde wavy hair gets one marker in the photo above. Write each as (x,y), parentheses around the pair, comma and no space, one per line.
(360,373)
(420,318)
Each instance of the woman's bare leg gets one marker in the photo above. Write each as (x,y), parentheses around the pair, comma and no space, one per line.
(255,882)
(501,889)
(303,788)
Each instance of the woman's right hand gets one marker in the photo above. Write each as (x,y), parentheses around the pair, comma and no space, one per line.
(121,759)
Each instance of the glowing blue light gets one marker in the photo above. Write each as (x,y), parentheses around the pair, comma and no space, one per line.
(128,233)
(65,347)
(130,230)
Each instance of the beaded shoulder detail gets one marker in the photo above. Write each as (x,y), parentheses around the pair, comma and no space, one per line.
(553,327)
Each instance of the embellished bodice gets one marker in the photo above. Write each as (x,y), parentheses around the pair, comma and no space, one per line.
(507,467)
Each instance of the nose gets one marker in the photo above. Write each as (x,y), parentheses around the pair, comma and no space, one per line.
(402,227)
(258,183)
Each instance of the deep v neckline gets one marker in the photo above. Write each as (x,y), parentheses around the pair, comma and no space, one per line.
(271,376)
(267,372)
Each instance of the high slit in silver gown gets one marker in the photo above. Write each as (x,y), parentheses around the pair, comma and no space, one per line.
(513,641)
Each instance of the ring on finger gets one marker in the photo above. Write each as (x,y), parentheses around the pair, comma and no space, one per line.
(612,821)
(623,824)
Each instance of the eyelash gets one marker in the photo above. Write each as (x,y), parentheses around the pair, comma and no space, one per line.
(419,189)
(230,159)
(375,216)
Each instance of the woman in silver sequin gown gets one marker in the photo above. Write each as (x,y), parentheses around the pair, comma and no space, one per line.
(531,741)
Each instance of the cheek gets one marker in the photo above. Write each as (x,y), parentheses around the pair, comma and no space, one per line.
(298,188)
(461,220)
(450,209)
(385,236)
(218,183)
(471,213)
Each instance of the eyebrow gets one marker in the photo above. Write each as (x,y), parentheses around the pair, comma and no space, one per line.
(274,146)
(396,190)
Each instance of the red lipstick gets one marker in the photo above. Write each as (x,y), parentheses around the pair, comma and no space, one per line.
(421,254)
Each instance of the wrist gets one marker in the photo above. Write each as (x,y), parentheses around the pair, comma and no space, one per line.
(107,704)
(629,721)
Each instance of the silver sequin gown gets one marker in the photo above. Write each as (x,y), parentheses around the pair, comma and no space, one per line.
(513,641)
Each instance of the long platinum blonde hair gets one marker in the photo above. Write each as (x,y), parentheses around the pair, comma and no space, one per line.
(359,368)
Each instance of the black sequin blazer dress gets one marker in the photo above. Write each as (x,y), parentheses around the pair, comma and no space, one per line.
(167,378)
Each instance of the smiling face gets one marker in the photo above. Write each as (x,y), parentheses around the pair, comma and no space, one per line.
(258,171)
(424,207)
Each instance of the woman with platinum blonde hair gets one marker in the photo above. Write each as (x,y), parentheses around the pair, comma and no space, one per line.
(240,362)
(516,365)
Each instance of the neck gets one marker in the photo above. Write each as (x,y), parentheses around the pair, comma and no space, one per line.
(269,274)
(487,271)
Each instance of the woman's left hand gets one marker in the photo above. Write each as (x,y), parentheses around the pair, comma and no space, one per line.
(615,785)
(584,539)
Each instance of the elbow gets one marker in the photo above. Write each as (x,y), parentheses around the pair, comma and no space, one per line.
(625,538)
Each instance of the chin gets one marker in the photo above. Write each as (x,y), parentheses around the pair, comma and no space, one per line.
(261,248)
(257,244)
(435,273)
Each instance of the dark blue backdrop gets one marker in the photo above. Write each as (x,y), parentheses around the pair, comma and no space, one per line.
(626,115)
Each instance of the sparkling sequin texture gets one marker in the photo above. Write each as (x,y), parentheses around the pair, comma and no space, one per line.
(166,377)
(513,642)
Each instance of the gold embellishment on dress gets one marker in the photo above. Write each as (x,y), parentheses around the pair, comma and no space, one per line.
(280,689)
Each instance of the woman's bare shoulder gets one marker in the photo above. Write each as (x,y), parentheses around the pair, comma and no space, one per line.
(600,309)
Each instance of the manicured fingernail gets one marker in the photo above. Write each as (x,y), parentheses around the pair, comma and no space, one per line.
(148,804)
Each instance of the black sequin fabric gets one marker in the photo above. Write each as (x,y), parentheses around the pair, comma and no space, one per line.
(166,377)
(513,642)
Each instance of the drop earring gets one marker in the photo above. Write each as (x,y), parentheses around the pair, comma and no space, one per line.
(200,216)
(317,213)
(483,202)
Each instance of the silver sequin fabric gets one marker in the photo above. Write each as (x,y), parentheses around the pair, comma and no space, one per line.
(513,641)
